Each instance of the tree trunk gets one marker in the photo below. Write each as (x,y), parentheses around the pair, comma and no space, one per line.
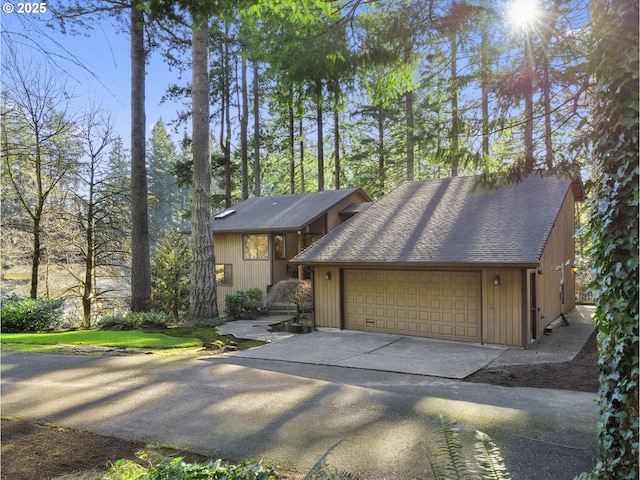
(484,78)
(410,134)
(89,257)
(140,261)
(226,118)
(546,83)
(320,148)
(381,154)
(454,106)
(336,147)
(292,150)
(256,130)
(35,257)
(244,131)
(529,159)
(37,218)
(203,272)
(302,189)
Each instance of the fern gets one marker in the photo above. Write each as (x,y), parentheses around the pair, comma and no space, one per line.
(451,462)
(489,460)
(321,470)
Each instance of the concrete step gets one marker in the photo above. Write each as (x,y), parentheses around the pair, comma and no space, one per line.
(282,308)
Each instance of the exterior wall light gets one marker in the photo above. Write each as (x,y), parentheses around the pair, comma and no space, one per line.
(328,276)
(497,280)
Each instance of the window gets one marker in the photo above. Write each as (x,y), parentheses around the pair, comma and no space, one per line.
(224,274)
(255,247)
(280,247)
(309,239)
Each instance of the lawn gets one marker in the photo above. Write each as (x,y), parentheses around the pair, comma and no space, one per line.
(103,338)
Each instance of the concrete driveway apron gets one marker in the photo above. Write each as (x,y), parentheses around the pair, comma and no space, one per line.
(404,354)
(375,351)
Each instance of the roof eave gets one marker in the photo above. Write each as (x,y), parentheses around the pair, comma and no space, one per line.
(419,265)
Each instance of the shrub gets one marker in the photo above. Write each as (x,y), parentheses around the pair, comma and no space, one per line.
(234,303)
(292,290)
(30,314)
(114,322)
(243,301)
(253,299)
(134,321)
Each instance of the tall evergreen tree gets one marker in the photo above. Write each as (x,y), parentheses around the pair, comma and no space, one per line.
(165,196)
(140,243)
(614,230)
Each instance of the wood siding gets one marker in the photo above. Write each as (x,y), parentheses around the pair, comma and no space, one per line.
(502,307)
(264,273)
(326,297)
(560,247)
(333,214)
(246,273)
(506,308)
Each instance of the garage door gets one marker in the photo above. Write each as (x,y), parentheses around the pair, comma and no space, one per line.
(428,304)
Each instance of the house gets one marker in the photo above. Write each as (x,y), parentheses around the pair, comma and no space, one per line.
(255,239)
(448,259)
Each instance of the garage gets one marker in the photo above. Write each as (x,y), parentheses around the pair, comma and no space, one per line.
(424,303)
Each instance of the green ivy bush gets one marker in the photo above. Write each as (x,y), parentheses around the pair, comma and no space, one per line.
(177,469)
(30,314)
(614,228)
(135,321)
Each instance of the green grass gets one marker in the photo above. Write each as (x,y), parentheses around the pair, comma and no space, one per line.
(103,338)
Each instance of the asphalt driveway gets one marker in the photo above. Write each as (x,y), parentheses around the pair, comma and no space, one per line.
(289,413)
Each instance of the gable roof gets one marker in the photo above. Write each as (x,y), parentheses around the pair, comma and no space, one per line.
(445,221)
(281,212)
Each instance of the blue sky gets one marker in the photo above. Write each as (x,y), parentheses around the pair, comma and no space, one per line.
(104,77)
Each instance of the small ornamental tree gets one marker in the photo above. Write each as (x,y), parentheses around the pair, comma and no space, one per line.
(292,290)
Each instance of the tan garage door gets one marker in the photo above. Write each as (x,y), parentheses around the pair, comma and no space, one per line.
(427,304)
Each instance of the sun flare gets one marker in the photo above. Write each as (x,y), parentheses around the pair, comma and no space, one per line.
(522,13)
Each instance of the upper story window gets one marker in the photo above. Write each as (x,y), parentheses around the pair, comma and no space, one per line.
(255,247)
(280,246)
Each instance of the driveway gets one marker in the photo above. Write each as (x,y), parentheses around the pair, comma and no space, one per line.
(289,414)
(405,354)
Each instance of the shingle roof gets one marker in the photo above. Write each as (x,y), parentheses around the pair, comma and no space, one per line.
(448,221)
(282,212)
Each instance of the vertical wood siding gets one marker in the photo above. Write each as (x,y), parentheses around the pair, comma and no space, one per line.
(560,247)
(246,273)
(326,297)
(502,306)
